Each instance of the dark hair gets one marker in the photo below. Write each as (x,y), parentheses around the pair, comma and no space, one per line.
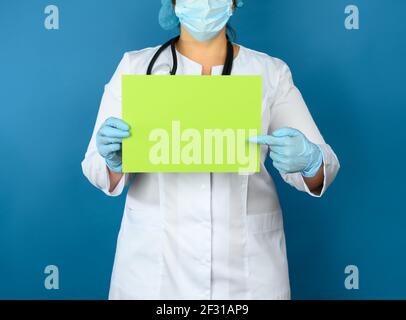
(231,33)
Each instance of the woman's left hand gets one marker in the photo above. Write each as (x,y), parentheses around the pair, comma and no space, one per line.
(292,152)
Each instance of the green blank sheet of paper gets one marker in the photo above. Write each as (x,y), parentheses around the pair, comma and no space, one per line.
(191,123)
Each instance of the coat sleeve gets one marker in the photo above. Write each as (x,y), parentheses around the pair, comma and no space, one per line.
(93,165)
(290,110)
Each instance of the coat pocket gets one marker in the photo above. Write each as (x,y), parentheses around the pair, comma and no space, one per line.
(142,218)
(267,262)
(138,256)
(264,222)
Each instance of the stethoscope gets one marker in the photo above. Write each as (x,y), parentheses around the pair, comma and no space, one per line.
(228,65)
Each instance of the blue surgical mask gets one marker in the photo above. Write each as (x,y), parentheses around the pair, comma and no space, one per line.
(204,19)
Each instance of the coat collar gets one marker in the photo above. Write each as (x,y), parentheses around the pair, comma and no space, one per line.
(187,66)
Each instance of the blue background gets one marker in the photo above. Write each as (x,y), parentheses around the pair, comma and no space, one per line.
(51,83)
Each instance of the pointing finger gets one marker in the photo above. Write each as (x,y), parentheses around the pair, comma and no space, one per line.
(264,140)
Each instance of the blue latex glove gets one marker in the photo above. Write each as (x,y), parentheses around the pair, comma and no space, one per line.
(109,139)
(292,152)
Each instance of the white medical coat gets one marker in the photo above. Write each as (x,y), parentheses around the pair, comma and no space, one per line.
(205,235)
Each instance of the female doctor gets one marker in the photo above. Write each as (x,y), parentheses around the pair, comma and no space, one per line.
(207,235)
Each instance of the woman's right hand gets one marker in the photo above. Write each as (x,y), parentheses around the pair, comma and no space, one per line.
(109,139)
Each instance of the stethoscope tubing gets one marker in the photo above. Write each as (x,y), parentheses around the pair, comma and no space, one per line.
(228,65)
